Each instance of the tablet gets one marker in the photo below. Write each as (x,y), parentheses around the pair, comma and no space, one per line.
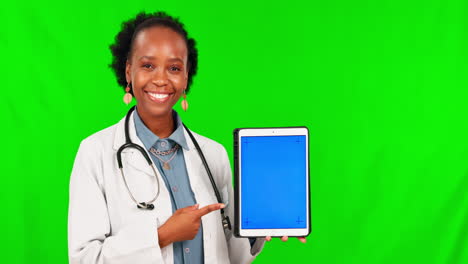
(271,170)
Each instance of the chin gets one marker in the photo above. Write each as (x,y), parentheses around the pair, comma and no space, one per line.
(150,109)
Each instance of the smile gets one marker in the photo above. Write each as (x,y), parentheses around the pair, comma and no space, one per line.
(158,97)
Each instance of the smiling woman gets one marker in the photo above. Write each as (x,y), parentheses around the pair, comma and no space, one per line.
(155,61)
(158,73)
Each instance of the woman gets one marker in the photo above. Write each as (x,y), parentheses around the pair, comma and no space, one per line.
(155,61)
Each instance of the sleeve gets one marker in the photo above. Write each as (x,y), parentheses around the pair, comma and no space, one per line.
(90,240)
(240,249)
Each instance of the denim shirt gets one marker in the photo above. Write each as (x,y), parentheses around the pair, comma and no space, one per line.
(176,180)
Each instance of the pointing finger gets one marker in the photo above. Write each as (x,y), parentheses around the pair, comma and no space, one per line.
(209,208)
(190,208)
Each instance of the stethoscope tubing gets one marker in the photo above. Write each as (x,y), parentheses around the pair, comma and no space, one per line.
(149,205)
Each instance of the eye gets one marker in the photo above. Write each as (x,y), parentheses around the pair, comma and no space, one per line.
(174,68)
(147,66)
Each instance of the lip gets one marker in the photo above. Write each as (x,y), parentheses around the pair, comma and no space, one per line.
(158,100)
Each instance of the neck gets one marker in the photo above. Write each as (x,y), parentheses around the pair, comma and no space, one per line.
(161,126)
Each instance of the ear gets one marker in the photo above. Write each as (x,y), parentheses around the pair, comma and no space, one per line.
(128,76)
(187,71)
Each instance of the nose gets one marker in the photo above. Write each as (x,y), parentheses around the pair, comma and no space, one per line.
(160,78)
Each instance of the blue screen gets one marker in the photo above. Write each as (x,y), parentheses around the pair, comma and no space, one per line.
(273,182)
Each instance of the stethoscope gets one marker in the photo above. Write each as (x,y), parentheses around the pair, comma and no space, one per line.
(149,205)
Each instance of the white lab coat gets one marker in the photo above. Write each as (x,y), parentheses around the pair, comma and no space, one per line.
(104,224)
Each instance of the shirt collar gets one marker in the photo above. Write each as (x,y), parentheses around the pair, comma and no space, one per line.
(149,138)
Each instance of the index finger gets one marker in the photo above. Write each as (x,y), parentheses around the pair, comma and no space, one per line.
(209,208)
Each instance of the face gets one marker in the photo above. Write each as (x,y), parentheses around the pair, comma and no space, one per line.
(157,70)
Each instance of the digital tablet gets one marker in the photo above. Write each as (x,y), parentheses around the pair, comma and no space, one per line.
(271,170)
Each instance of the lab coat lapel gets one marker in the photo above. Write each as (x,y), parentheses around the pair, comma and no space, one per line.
(199,180)
(193,164)
(202,191)
(134,162)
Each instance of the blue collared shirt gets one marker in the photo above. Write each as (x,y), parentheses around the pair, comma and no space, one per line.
(177,182)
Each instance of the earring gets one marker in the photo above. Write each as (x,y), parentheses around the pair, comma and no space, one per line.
(128,96)
(184,102)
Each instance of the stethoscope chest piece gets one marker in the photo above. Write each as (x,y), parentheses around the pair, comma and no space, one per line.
(146,206)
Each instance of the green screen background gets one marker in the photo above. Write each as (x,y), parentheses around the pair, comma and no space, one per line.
(382,86)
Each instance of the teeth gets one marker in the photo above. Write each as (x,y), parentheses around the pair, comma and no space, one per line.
(158,96)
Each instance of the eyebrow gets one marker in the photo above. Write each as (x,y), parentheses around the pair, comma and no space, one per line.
(152,58)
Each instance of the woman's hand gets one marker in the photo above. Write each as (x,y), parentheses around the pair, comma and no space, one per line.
(285,238)
(184,224)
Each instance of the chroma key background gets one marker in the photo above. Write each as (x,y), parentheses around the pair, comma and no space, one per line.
(382,86)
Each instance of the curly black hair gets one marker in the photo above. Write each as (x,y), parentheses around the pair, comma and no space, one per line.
(121,49)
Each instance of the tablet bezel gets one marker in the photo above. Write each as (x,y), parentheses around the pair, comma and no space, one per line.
(277,131)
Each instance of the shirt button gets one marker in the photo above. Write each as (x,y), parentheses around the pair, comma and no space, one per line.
(187,250)
(163,144)
(175,189)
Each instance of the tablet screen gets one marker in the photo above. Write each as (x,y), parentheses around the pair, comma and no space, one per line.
(273,182)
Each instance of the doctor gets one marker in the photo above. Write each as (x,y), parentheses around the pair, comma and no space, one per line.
(154,60)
